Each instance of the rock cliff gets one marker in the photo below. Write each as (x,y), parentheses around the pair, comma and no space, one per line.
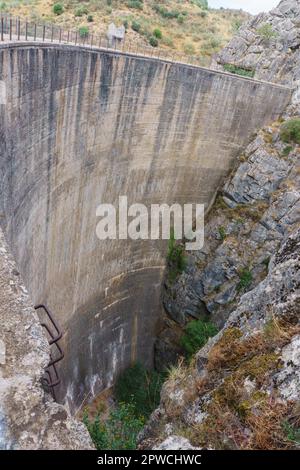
(29,418)
(242,389)
(268,44)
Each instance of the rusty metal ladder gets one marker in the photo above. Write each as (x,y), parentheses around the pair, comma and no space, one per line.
(51,379)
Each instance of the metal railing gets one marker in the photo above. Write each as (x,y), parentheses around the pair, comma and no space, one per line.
(51,379)
(13,29)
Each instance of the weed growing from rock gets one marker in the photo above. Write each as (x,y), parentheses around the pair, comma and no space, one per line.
(290,131)
(196,335)
(118,432)
(140,388)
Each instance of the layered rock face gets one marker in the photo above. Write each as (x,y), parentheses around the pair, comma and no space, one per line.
(243,389)
(246,379)
(273,51)
(259,206)
(80,128)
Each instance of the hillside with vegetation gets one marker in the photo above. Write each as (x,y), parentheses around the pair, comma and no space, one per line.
(185,26)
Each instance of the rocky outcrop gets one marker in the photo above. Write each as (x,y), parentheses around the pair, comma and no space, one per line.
(242,391)
(257,208)
(175,443)
(29,419)
(273,51)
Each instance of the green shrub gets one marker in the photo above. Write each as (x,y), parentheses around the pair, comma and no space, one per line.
(239,70)
(157,33)
(176,257)
(136,26)
(222,232)
(137,4)
(140,388)
(83,31)
(200,3)
(215,42)
(287,150)
(81,11)
(90,18)
(196,335)
(58,9)
(118,432)
(180,19)
(168,41)
(125,24)
(189,49)
(266,31)
(153,41)
(290,131)
(165,13)
(236,25)
(266,262)
(292,433)
(245,279)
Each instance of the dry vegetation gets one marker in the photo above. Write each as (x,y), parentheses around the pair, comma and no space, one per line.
(193,30)
(242,409)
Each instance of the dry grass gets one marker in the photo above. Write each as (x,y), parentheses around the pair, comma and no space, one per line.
(232,348)
(252,212)
(267,427)
(204,35)
(241,416)
(180,389)
(261,429)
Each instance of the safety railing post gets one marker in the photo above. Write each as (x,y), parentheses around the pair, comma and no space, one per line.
(11,28)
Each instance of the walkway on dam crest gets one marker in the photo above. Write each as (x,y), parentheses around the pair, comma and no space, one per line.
(14,31)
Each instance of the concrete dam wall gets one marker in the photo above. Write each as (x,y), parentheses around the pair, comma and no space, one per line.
(80,128)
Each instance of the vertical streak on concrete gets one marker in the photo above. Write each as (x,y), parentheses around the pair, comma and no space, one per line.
(134,340)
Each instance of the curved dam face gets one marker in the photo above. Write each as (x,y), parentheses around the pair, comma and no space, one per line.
(80,128)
